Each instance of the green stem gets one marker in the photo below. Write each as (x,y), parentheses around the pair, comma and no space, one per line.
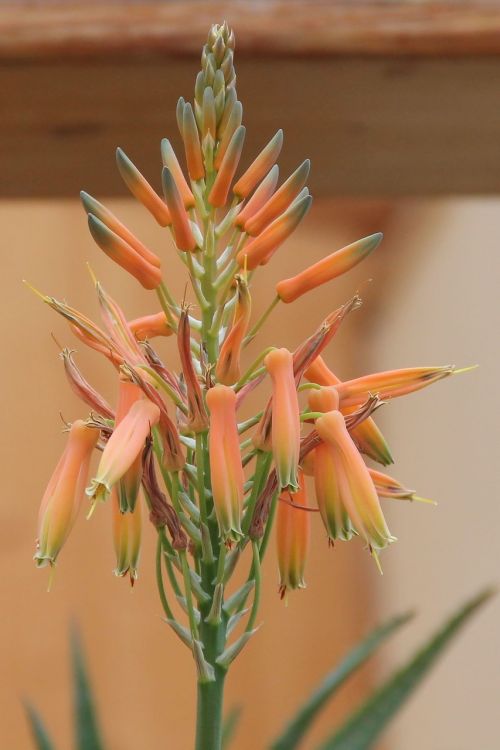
(209,712)
(261,321)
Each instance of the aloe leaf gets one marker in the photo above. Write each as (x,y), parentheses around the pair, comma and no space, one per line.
(364,726)
(299,725)
(87,735)
(229,727)
(42,739)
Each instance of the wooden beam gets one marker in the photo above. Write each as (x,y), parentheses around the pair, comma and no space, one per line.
(379,27)
(79,80)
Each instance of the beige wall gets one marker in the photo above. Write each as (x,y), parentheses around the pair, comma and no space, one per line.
(433,300)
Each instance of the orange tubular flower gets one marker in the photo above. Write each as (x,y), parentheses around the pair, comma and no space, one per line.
(127,530)
(226,469)
(285,418)
(367,436)
(327,268)
(130,482)
(259,198)
(390,384)
(149,326)
(356,487)
(292,536)
(92,206)
(123,447)
(62,499)
(170,161)
(327,472)
(125,255)
(141,189)
(279,201)
(220,189)
(183,234)
(259,167)
(228,363)
(260,250)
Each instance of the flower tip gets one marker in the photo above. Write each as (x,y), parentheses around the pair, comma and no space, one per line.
(454,371)
(42,296)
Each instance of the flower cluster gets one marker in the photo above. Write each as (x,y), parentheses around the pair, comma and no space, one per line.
(212,482)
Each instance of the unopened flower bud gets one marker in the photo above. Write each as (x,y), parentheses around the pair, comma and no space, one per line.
(171,162)
(183,234)
(259,167)
(121,252)
(192,145)
(92,206)
(220,188)
(280,200)
(228,364)
(198,419)
(259,198)
(149,326)
(327,268)
(261,249)
(141,189)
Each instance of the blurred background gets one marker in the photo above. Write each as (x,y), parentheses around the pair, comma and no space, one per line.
(398,106)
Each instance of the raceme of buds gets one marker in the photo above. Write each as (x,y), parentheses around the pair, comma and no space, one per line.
(285,418)
(123,447)
(292,537)
(127,528)
(226,470)
(327,268)
(64,493)
(212,471)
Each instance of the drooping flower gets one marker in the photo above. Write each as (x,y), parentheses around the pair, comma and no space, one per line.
(367,436)
(285,434)
(226,471)
(356,487)
(65,491)
(82,388)
(127,530)
(292,537)
(129,484)
(123,447)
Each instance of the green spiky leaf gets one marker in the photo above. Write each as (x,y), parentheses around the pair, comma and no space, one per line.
(363,728)
(229,726)
(40,735)
(302,721)
(87,735)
